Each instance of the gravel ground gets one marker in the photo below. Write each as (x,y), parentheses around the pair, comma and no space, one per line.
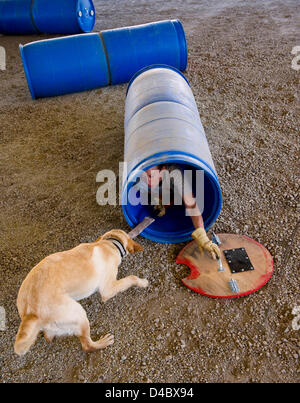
(51,150)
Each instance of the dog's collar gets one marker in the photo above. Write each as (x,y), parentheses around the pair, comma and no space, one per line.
(119,245)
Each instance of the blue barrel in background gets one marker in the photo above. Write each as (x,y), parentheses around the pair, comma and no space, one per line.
(63,16)
(46,16)
(70,64)
(162,125)
(132,48)
(64,65)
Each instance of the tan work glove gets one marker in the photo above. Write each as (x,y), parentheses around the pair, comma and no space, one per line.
(204,242)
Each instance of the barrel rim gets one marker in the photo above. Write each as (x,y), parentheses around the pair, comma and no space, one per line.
(155,66)
(182,39)
(26,70)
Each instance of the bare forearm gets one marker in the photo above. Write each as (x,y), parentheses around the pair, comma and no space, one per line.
(193,211)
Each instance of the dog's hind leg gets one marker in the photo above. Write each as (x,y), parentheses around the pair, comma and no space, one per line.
(71,319)
(88,345)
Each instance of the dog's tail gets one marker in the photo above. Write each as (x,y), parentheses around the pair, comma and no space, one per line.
(27,334)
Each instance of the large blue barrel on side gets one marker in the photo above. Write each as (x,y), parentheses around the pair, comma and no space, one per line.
(45,16)
(65,65)
(132,48)
(162,126)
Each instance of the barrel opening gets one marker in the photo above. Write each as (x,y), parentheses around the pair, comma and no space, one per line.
(175,226)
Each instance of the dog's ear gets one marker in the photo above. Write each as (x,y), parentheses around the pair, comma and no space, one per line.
(133,246)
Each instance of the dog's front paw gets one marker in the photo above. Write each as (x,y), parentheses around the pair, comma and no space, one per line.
(143,282)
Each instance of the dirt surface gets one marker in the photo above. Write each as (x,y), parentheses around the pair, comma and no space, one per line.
(51,150)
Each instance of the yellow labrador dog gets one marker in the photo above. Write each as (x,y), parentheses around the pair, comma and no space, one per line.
(47,298)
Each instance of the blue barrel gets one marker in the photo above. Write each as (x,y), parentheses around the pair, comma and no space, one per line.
(46,16)
(132,48)
(64,65)
(162,125)
(77,63)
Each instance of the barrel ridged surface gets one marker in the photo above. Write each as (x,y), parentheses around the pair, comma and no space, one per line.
(162,125)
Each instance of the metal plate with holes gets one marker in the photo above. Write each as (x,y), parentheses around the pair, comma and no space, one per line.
(238,260)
